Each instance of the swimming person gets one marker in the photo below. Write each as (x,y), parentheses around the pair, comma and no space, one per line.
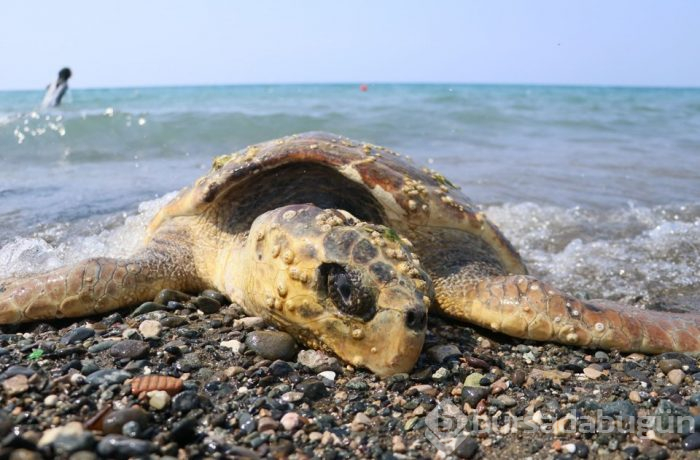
(56,90)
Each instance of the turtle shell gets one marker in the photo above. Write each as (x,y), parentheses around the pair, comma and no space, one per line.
(373,183)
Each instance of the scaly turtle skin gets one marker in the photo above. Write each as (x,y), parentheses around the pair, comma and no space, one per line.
(344,245)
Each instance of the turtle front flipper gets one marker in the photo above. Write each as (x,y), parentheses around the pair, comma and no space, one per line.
(94,286)
(524,307)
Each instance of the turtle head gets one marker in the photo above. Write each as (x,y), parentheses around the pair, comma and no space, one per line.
(339,284)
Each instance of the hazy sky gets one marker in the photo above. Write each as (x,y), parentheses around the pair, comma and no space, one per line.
(145,42)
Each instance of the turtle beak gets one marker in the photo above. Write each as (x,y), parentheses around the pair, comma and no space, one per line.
(389,344)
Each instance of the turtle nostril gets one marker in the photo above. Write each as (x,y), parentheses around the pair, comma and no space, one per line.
(416,319)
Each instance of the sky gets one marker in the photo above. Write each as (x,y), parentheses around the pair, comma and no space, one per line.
(163,43)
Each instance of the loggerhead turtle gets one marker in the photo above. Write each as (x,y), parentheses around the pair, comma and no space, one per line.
(346,246)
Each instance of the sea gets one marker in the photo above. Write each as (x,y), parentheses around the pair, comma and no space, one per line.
(597,187)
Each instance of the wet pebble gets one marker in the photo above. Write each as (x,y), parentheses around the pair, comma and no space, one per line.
(129,349)
(667,365)
(622,408)
(206,305)
(185,401)
(189,362)
(313,389)
(272,344)
(17,370)
(506,401)
(216,295)
(267,424)
(292,396)
(77,335)
(122,447)
(441,353)
(184,431)
(472,395)
(171,295)
(173,321)
(467,448)
(132,429)
(101,346)
(250,322)
(691,442)
(107,376)
(147,307)
(280,368)
(357,384)
(114,421)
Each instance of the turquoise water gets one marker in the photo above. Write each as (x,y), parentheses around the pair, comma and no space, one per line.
(598,187)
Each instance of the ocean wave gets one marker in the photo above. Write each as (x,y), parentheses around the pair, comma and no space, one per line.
(639,254)
(67,243)
(633,254)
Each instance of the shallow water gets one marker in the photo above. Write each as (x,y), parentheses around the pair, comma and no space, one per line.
(599,188)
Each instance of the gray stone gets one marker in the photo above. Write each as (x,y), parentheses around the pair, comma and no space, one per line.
(108,376)
(16,370)
(121,447)
(667,365)
(316,360)
(65,444)
(272,344)
(206,304)
(129,349)
(441,353)
(623,408)
(467,448)
(147,307)
(102,346)
(77,335)
(171,295)
(691,442)
(114,421)
(357,384)
(216,295)
(472,395)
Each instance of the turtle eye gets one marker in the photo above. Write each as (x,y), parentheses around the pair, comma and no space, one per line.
(346,291)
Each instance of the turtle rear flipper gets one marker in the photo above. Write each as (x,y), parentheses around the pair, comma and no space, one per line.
(525,307)
(95,286)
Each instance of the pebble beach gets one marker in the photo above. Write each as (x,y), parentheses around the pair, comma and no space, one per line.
(193,377)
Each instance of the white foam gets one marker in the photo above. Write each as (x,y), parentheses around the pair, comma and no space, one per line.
(67,244)
(631,253)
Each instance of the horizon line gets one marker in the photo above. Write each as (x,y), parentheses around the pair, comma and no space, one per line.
(370,83)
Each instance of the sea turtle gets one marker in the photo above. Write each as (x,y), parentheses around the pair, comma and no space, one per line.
(345,245)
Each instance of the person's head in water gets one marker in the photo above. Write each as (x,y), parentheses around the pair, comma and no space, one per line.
(64,74)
